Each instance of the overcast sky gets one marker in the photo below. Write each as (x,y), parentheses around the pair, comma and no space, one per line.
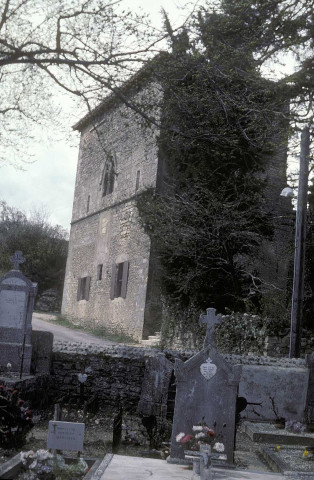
(48,183)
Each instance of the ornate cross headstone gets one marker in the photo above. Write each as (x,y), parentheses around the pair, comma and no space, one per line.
(17,259)
(207,388)
(17,294)
(211,320)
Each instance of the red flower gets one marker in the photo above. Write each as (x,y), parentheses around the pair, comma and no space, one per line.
(210,432)
(186,438)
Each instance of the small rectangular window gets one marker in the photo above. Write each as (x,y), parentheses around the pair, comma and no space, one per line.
(119,280)
(137,183)
(83,288)
(99,272)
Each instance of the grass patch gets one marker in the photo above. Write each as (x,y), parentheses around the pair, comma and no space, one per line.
(92,328)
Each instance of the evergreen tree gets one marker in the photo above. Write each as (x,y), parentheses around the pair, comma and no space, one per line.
(219,120)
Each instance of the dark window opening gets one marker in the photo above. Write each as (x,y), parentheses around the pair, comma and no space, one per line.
(99,272)
(108,177)
(87,206)
(83,288)
(119,280)
(137,183)
(119,276)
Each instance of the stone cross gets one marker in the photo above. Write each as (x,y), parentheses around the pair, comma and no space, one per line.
(17,259)
(211,320)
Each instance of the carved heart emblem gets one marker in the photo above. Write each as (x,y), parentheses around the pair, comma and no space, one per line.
(208,369)
(82,377)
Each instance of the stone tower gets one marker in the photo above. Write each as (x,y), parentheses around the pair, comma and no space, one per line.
(110,278)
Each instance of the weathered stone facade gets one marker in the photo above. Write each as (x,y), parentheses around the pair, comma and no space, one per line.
(115,148)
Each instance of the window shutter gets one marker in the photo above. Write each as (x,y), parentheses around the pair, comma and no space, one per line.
(87,285)
(79,289)
(113,281)
(125,275)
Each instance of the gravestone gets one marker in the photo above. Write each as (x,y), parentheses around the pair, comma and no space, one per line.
(155,386)
(42,344)
(309,409)
(211,320)
(17,294)
(207,388)
(66,436)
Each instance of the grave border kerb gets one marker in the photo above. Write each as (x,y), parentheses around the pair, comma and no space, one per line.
(30,287)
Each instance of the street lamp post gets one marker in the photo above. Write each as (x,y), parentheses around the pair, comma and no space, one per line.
(299,249)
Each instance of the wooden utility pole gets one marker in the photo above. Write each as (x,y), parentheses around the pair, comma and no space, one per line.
(299,248)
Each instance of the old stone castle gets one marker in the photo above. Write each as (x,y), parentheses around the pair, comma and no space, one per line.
(110,275)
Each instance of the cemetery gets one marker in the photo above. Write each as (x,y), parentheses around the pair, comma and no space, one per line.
(71,411)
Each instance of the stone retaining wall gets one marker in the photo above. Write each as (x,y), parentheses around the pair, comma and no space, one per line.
(114,378)
(281,387)
(117,374)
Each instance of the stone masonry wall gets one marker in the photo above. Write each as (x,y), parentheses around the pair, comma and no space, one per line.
(105,229)
(280,387)
(118,372)
(116,375)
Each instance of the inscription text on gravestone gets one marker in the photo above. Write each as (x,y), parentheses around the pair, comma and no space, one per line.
(66,436)
(12,308)
(208,369)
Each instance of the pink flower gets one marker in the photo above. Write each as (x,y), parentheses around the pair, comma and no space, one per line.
(186,438)
(210,431)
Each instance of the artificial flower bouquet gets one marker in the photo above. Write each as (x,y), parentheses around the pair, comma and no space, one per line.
(202,435)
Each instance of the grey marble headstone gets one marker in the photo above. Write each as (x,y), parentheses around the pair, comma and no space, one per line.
(207,388)
(17,294)
(155,386)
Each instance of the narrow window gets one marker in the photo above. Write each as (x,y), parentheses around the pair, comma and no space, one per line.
(87,206)
(108,177)
(99,272)
(83,288)
(119,275)
(119,280)
(137,183)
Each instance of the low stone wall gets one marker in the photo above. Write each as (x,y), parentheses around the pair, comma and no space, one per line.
(115,374)
(281,387)
(279,346)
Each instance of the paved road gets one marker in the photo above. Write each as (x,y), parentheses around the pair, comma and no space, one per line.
(63,334)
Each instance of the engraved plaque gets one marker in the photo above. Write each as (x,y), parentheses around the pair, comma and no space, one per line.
(12,308)
(208,369)
(66,436)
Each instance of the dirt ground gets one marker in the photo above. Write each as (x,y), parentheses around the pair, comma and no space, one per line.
(134,439)
(98,435)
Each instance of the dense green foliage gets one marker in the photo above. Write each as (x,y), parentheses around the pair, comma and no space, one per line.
(44,247)
(208,217)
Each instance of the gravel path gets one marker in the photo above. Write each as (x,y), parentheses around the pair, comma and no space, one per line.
(42,321)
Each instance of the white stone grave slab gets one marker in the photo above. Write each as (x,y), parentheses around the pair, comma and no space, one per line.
(66,436)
